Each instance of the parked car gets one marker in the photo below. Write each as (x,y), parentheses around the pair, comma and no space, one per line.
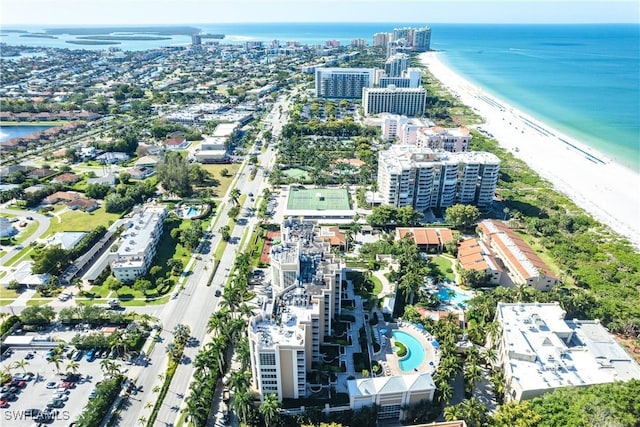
(93,393)
(4,404)
(61,396)
(29,356)
(91,355)
(51,385)
(79,356)
(56,403)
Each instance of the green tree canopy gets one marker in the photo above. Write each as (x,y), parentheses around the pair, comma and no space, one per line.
(462,216)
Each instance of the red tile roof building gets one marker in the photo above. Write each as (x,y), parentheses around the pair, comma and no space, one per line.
(427,239)
(521,263)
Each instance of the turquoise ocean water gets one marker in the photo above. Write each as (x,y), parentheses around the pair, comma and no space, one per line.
(582,79)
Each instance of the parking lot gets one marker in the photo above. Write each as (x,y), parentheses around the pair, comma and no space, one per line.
(41,388)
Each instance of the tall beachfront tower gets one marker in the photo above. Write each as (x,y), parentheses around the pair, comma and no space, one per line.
(424,178)
(285,337)
(343,83)
(422,39)
(396,64)
(391,99)
(381,39)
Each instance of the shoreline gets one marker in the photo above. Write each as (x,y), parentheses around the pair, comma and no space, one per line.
(603,188)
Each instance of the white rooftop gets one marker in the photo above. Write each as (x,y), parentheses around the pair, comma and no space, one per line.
(545,351)
(390,384)
(66,240)
(137,237)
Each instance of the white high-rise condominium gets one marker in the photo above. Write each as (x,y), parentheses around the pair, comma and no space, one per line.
(424,178)
(411,77)
(342,82)
(381,39)
(396,64)
(422,39)
(406,101)
(284,339)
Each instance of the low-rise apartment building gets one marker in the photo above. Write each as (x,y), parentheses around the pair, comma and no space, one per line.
(137,248)
(391,394)
(522,265)
(541,351)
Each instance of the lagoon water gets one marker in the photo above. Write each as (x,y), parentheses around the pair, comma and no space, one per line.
(9,132)
(582,79)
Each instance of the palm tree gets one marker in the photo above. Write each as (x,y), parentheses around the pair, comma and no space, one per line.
(446,391)
(498,380)
(73,367)
(246,311)
(181,334)
(148,405)
(21,364)
(142,420)
(56,361)
(410,284)
(243,352)
(269,409)
(490,356)
(472,374)
(234,195)
(242,405)
(217,322)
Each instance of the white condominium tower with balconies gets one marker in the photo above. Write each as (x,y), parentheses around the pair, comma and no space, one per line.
(405,101)
(344,83)
(424,178)
(285,337)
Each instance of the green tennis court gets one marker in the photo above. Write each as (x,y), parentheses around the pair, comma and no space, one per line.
(319,199)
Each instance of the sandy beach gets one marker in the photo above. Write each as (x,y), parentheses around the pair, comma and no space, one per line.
(608,191)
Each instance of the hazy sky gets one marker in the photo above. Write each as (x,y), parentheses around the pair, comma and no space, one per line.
(115,12)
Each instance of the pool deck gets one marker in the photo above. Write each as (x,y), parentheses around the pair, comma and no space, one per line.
(390,362)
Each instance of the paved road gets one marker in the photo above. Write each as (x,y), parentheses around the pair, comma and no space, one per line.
(43,226)
(194,306)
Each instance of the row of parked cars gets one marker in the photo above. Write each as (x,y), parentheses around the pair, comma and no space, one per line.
(12,388)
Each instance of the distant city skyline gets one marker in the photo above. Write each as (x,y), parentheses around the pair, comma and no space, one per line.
(173,12)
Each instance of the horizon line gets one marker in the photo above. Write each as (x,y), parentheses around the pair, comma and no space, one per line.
(316,22)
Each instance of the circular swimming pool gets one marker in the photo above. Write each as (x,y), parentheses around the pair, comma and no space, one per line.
(415,352)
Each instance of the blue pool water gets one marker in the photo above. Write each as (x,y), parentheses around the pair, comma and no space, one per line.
(447,294)
(414,348)
(192,212)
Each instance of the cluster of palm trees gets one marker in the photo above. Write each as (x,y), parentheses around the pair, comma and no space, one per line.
(412,268)
(181,334)
(226,326)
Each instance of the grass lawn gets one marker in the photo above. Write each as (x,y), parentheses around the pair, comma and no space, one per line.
(81,221)
(377,286)
(8,293)
(19,256)
(220,249)
(26,232)
(221,183)
(38,301)
(443,263)
(99,291)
